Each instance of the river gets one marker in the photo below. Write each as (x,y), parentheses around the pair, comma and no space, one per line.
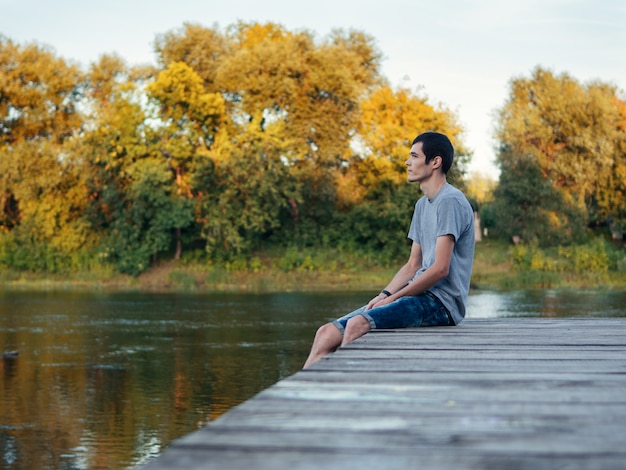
(107,380)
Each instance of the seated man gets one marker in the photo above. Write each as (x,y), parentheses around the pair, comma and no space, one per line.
(431,288)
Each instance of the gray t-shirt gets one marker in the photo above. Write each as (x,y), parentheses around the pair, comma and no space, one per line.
(449,213)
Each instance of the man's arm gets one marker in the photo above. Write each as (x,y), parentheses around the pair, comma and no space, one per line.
(435,273)
(403,276)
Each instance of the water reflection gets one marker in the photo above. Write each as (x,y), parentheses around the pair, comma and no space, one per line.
(108,380)
(546,303)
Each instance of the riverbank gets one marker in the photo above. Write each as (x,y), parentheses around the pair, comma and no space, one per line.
(498,266)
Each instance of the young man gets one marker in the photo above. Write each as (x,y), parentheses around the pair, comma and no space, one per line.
(432,287)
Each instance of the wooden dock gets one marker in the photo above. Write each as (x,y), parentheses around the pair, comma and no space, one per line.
(489,394)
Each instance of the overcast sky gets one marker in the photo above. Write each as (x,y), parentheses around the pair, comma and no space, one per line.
(461,54)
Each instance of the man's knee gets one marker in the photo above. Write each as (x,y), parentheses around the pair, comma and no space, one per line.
(328,333)
(357,326)
(326,330)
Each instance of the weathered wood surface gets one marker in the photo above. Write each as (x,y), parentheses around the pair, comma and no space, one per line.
(502,394)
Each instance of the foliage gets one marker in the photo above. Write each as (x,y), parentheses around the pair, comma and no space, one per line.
(42,198)
(593,256)
(251,193)
(388,123)
(527,205)
(567,141)
(379,224)
(38,94)
(199,47)
(191,120)
(258,138)
(479,187)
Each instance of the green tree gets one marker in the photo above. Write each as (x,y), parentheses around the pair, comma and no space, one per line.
(251,193)
(574,135)
(131,202)
(528,205)
(150,214)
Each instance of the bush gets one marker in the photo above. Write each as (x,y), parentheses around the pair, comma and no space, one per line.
(592,257)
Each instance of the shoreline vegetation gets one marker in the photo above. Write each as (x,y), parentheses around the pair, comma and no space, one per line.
(286,170)
(498,265)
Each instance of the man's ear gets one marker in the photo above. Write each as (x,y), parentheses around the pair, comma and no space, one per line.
(437,161)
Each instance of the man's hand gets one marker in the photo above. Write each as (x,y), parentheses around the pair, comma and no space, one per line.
(377,301)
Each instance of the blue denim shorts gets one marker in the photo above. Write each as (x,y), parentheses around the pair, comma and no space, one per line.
(406,312)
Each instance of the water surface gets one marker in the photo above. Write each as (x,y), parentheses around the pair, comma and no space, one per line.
(106,381)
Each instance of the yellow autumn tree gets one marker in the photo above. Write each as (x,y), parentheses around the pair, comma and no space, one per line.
(388,121)
(41,195)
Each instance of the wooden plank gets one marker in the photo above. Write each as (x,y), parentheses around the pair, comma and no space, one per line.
(474,364)
(516,393)
(418,440)
(445,413)
(486,353)
(315,459)
(461,340)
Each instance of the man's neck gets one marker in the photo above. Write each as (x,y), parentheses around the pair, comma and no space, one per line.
(432,186)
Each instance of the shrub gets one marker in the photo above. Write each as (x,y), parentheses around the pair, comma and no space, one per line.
(591,257)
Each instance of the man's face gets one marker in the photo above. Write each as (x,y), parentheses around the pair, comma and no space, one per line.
(417,169)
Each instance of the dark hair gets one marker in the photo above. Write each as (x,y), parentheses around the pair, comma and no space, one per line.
(433,144)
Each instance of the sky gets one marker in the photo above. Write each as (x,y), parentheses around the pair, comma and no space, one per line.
(461,55)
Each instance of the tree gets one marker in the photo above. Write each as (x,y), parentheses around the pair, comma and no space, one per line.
(150,215)
(131,188)
(203,49)
(374,198)
(39,94)
(480,187)
(190,120)
(41,197)
(609,200)
(389,121)
(528,205)
(51,233)
(251,135)
(313,89)
(274,76)
(574,135)
(252,190)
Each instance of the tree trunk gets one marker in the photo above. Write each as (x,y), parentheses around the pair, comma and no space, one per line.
(179,245)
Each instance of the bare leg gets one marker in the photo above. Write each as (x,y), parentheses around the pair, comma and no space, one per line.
(355,328)
(327,340)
